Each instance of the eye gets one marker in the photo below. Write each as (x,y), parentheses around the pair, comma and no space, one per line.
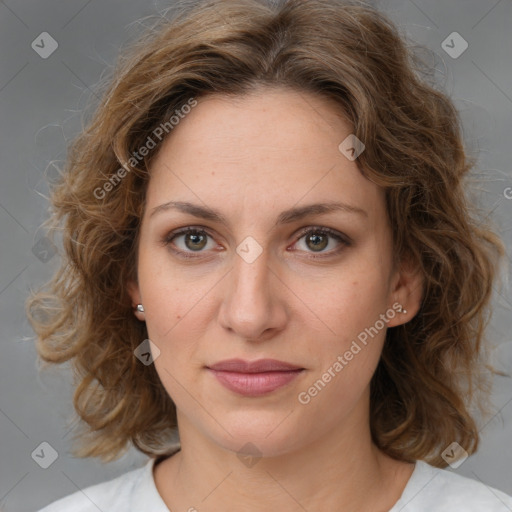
(317,239)
(190,239)
(187,241)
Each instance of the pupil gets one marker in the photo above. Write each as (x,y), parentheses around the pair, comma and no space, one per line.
(195,239)
(317,241)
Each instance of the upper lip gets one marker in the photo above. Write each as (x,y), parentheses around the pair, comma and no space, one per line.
(261,365)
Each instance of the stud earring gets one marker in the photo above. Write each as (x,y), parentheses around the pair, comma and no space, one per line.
(402,310)
(140,308)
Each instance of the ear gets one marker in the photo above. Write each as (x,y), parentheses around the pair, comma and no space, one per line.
(134,293)
(407,292)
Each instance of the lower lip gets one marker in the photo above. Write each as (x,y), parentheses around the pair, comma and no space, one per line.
(255,384)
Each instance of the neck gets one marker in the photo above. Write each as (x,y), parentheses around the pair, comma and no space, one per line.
(340,470)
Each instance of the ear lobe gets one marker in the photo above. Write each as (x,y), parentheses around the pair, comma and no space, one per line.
(134,293)
(408,292)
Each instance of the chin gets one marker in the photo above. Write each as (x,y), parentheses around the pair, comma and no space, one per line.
(263,438)
(256,447)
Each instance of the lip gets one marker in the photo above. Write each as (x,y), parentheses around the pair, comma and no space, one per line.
(254,378)
(258,366)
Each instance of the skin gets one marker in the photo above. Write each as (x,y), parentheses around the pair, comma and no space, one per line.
(251,158)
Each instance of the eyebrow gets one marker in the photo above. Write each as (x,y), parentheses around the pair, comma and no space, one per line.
(285,217)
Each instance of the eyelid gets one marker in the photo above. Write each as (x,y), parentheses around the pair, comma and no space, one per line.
(182,231)
(329,231)
(169,237)
(341,238)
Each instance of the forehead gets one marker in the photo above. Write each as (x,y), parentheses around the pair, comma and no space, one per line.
(271,147)
(277,119)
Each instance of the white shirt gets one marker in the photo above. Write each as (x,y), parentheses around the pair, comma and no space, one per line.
(429,489)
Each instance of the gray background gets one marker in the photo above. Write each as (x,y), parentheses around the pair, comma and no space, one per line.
(41,105)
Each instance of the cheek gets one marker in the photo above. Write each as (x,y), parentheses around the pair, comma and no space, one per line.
(171,295)
(356,298)
(352,310)
(164,309)
(347,363)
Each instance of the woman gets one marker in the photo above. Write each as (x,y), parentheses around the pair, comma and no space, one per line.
(268,250)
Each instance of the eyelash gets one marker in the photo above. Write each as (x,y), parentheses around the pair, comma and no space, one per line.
(343,240)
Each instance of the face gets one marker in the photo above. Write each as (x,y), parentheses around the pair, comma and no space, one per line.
(261,274)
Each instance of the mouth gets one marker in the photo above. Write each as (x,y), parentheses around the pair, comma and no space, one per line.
(254,378)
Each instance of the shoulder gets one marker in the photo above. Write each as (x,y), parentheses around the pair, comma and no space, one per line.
(440,490)
(113,495)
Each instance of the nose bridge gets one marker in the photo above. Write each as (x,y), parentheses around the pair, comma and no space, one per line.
(251,275)
(251,305)
(250,283)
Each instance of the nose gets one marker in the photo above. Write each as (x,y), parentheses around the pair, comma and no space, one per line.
(253,306)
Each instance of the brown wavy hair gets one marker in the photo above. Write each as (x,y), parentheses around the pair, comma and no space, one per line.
(431,369)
